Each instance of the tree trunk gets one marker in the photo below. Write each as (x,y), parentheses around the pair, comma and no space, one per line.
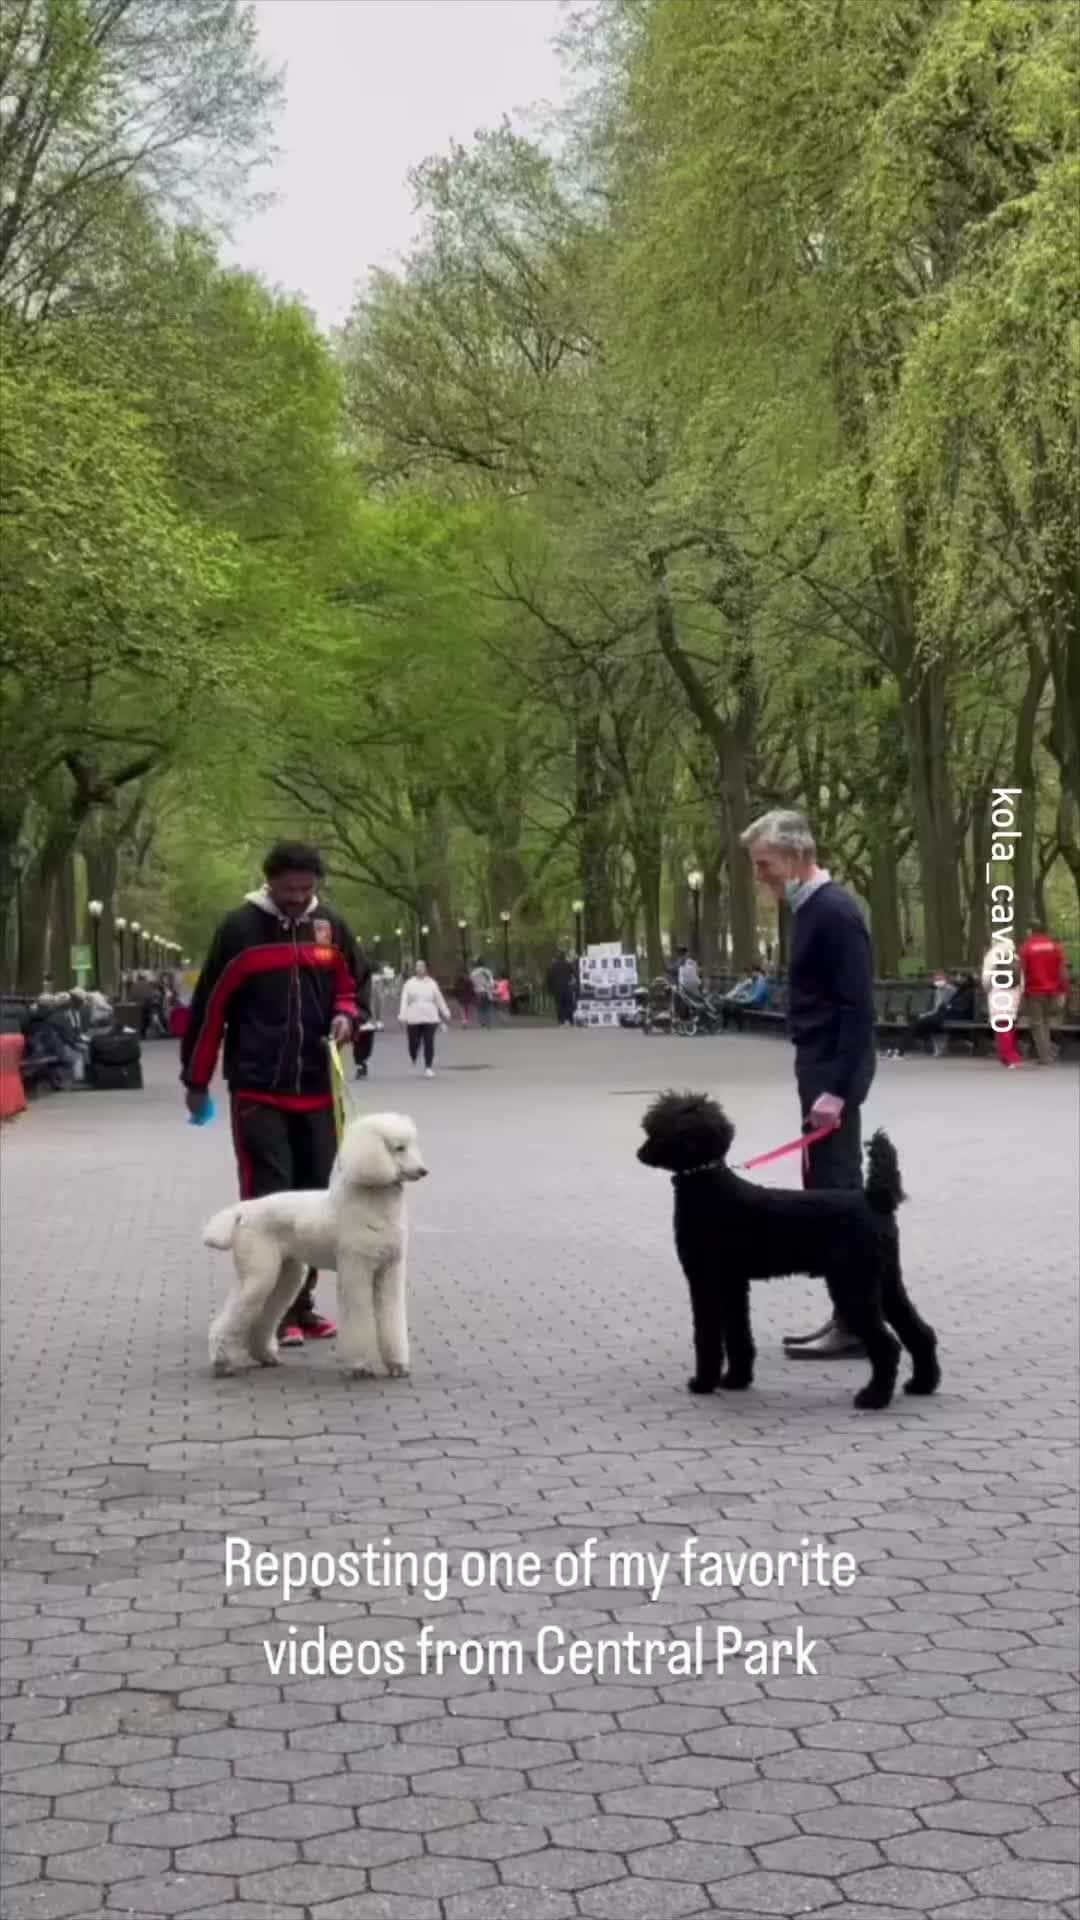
(64,933)
(39,897)
(742,895)
(595,840)
(978,932)
(1068,837)
(1024,777)
(12,815)
(884,899)
(647,850)
(102,861)
(925,713)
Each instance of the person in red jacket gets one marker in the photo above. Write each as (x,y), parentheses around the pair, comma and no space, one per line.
(1046,981)
(283,975)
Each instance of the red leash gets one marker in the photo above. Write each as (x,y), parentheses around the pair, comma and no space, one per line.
(804,1142)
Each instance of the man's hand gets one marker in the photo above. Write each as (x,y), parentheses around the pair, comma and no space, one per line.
(197,1100)
(341,1029)
(826,1110)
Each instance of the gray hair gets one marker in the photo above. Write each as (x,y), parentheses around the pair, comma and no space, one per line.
(782,827)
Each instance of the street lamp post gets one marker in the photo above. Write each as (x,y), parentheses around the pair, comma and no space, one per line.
(579,927)
(95,909)
(376,951)
(424,931)
(20,860)
(694,880)
(463,932)
(399,934)
(135,954)
(505,918)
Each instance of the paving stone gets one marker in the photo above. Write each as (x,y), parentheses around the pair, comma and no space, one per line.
(640,1900)
(365,1847)
(435,1877)
(54,1836)
(485,1840)
(241,1856)
(45,1900)
(416,1813)
(1028,1880)
(377,1906)
(771,1893)
(859,1823)
(952,1852)
(817,1853)
(938,1738)
(911,1887)
(509,1903)
(308,1885)
(566,1868)
(696,1860)
(612,1833)
(106,1863)
(662,1803)
(171,1893)
(1049,1843)
(229,1797)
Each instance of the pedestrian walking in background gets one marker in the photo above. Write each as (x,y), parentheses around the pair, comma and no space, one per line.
(421,1012)
(483,982)
(281,978)
(561,983)
(465,995)
(364,1029)
(1046,984)
(1006,1002)
(688,977)
(830,1019)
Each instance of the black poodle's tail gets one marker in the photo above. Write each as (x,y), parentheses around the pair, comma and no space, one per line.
(884,1189)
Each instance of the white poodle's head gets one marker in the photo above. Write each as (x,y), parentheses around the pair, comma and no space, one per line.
(380,1150)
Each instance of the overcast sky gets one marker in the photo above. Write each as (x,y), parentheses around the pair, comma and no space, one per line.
(373,87)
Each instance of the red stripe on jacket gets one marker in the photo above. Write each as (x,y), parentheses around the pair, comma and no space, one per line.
(252,960)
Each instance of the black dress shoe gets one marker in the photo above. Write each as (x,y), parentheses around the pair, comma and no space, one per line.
(834,1343)
(807,1339)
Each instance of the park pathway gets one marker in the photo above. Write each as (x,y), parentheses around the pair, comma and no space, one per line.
(154,1765)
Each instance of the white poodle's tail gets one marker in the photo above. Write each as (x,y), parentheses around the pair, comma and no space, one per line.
(219,1231)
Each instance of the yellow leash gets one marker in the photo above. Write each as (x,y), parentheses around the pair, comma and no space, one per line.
(337,1088)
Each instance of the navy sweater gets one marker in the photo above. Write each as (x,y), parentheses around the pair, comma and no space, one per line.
(830,987)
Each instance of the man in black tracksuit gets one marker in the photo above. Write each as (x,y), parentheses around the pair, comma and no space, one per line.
(282,976)
(830,1019)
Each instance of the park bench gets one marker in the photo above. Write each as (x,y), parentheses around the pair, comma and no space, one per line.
(899,1002)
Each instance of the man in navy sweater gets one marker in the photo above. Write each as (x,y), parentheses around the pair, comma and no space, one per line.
(830,1018)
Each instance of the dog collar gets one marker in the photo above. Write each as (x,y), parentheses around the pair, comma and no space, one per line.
(707,1166)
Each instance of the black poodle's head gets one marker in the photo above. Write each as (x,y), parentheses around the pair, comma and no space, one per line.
(684,1130)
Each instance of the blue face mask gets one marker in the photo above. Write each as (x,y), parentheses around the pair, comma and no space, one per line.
(791,888)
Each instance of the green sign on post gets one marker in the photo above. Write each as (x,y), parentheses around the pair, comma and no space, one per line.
(81,962)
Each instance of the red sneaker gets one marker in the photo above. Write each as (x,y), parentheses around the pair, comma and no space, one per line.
(315,1326)
(290,1335)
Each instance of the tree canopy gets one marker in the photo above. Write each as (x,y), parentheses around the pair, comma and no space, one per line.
(721,455)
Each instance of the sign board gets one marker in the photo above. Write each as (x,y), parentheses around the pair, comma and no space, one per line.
(606,976)
(81,959)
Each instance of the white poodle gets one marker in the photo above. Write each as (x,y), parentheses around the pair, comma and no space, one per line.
(357,1227)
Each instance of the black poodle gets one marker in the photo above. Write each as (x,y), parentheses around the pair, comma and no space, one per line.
(729,1231)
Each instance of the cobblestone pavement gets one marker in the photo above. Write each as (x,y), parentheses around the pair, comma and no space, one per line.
(154,1765)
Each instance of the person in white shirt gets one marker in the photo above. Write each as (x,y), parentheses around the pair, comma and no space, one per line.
(483,981)
(420,1013)
(689,975)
